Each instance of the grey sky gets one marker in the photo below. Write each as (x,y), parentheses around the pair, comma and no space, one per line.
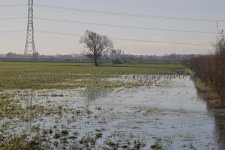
(64,44)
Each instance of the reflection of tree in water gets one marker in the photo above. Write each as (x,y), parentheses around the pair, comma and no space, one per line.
(220,130)
(93,93)
(219,123)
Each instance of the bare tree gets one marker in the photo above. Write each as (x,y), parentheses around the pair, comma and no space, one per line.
(97,44)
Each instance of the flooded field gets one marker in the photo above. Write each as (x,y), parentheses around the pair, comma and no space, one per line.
(164,112)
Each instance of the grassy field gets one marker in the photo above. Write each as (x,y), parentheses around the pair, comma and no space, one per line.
(39,75)
(27,109)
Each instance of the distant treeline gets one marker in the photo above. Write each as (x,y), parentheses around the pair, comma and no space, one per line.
(118,59)
(211,68)
(172,58)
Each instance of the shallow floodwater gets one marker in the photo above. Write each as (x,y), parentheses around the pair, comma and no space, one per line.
(169,113)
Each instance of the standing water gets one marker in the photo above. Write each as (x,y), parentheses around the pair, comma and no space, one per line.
(167,115)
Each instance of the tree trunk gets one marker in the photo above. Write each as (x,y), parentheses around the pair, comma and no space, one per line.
(95,61)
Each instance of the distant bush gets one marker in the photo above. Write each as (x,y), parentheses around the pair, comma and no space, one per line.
(117,61)
(211,68)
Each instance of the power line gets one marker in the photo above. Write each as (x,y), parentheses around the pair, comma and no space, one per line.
(13,5)
(13,31)
(115,38)
(121,26)
(58,33)
(13,18)
(128,14)
(161,42)
(123,39)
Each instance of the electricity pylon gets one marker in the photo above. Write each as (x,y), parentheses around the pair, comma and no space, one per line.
(30,44)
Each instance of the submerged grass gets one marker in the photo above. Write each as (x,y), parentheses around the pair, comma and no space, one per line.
(45,75)
(10,108)
(22,143)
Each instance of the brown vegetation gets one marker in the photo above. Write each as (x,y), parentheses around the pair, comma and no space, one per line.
(211,68)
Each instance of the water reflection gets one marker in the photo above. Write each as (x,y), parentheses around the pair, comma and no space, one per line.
(220,129)
(93,93)
(172,111)
(29,109)
(219,120)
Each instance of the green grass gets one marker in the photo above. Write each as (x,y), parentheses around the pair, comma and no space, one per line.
(212,98)
(39,75)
